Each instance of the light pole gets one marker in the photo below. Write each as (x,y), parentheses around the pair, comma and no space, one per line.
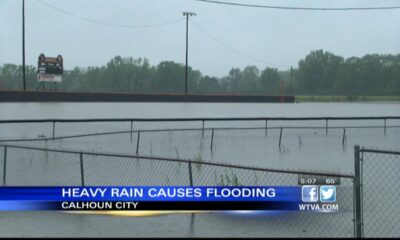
(23,45)
(187,14)
(291,81)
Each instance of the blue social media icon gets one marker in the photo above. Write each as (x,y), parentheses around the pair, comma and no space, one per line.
(327,193)
(309,193)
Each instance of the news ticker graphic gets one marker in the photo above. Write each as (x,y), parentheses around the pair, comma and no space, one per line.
(171,198)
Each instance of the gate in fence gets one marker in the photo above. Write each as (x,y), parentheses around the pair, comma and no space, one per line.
(378,176)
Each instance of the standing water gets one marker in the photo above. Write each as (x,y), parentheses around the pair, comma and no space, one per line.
(310,149)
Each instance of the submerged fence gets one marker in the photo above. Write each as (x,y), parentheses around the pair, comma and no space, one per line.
(232,140)
(368,200)
(203,121)
(32,166)
(23,159)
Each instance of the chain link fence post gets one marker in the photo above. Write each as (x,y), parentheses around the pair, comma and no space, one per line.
(192,216)
(202,129)
(54,129)
(5,166)
(266,127)
(131,129)
(212,139)
(384,128)
(138,142)
(357,194)
(82,172)
(344,136)
(326,127)
(190,174)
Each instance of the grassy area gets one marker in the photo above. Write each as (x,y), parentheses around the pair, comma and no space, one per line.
(346,98)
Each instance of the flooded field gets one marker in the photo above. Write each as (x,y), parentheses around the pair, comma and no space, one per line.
(310,148)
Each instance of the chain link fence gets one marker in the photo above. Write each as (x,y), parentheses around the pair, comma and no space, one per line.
(380,192)
(368,200)
(32,166)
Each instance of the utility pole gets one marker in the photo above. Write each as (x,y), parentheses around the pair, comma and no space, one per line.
(291,81)
(187,14)
(23,44)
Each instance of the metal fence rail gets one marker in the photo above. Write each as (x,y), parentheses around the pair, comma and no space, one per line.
(186,129)
(199,119)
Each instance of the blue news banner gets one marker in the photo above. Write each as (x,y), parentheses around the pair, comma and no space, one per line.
(175,198)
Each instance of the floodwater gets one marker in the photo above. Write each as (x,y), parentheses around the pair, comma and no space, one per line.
(301,149)
(308,149)
(190,110)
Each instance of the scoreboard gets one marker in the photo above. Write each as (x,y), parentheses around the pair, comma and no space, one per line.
(50,69)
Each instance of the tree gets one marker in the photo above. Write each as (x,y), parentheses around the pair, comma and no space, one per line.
(317,72)
(320,73)
(269,81)
(170,77)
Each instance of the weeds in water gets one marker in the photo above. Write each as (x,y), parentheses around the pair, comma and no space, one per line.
(176,152)
(227,179)
(151,153)
(45,147)
(235,180)
(179,163)
(284,150)
(222,183)
(300,142)
(199,158)
(151,149)
(170,139)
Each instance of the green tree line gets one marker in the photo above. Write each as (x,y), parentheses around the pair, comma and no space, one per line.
(319,73)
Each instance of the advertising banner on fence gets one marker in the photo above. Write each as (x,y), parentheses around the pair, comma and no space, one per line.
(171,198)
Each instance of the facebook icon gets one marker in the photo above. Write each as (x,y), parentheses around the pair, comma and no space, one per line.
(309,193)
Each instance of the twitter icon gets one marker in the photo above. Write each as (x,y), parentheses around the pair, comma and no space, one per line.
(327,194)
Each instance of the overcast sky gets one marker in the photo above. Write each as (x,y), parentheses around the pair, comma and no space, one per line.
(280,37)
